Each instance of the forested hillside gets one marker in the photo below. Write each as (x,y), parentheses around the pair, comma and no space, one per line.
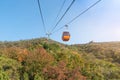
(42,59)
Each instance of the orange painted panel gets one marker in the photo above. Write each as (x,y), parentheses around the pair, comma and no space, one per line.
(65,38)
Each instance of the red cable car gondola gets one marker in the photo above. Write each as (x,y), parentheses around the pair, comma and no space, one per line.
(66,35)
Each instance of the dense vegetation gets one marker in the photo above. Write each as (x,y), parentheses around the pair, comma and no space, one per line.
(40,59)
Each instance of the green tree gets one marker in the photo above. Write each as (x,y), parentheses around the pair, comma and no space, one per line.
(9,69)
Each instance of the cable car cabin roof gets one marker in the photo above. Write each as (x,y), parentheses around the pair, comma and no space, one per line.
(66,33)
(66,36)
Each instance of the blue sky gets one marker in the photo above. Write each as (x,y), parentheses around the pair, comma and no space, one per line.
(20,20)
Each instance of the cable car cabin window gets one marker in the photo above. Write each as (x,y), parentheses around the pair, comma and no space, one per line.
(66,36)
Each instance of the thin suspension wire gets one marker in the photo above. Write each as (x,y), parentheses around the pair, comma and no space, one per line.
(84,11)
(40,10)
(60,10)
(79,15)
(63,15)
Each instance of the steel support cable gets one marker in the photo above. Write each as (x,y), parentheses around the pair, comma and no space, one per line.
(84,11)
(60,10)
(62,16)
(79,15)
(40,10)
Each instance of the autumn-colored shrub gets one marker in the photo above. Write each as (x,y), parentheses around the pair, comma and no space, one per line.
(61,72)
(35,61)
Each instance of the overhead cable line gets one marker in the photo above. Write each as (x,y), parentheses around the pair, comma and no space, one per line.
(58,13)
(60,9)
(84,11)
(79,15)
(40,10)
(63,15)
